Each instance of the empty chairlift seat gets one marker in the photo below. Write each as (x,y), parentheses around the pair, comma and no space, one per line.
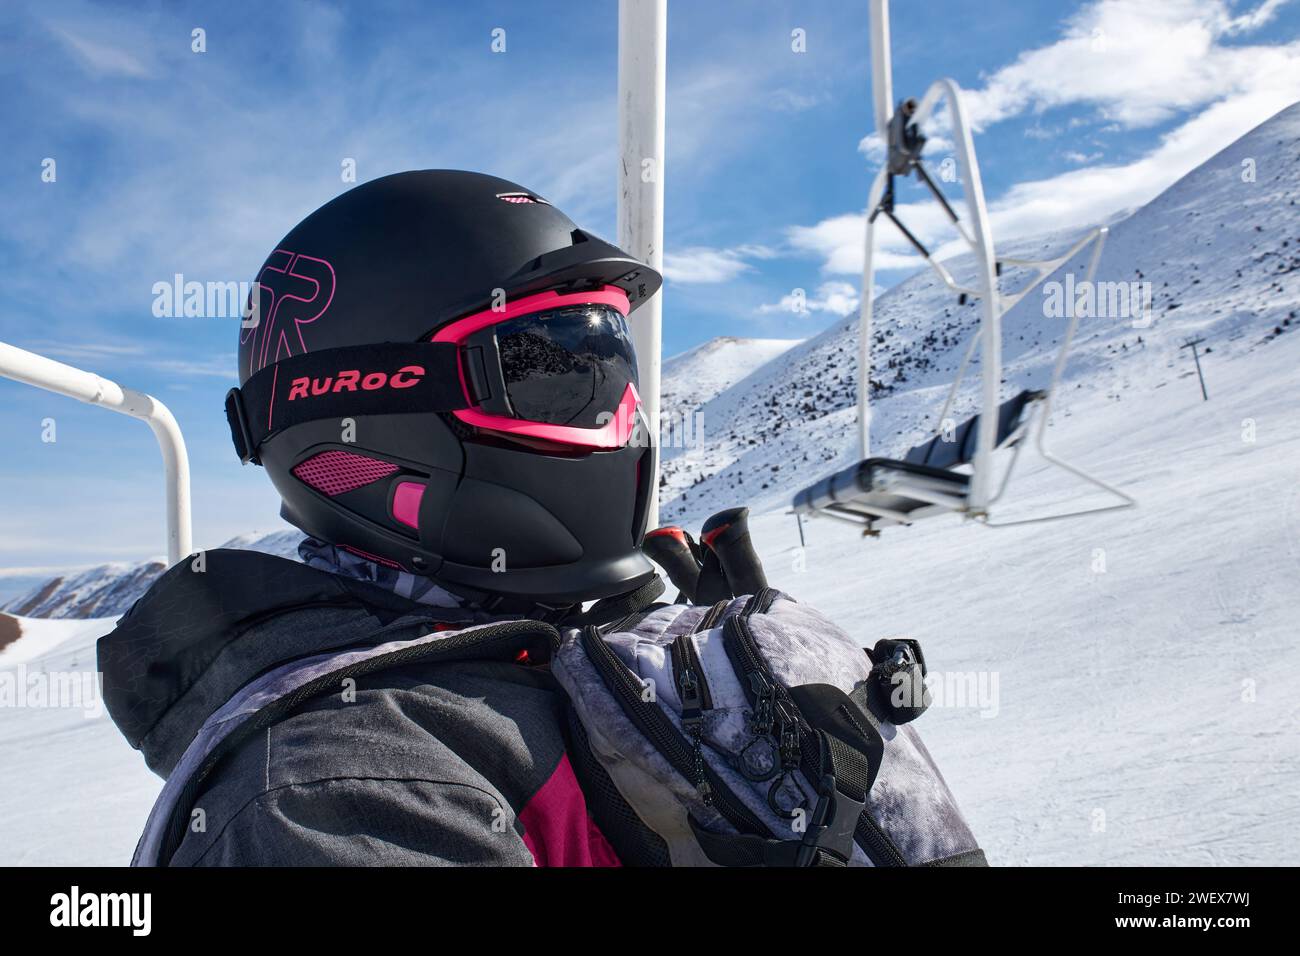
(921,484)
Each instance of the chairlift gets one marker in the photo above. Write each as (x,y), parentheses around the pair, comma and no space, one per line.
(953,470)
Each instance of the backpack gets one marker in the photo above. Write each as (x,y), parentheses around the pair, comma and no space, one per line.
(749,732)
(754,732)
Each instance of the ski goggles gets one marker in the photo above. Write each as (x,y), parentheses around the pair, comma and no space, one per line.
(552,368)
(555,367)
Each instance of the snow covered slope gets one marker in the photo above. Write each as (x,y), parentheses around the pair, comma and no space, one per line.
(73,791)
(1140,668)
(105,590)
(697,375)
(1220,252)
(1131,677)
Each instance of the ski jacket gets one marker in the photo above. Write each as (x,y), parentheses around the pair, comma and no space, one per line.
(459,757)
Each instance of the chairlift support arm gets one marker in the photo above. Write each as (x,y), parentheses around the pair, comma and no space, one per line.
(36,370)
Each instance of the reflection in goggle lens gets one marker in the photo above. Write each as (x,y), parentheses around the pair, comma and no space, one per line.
(566,367)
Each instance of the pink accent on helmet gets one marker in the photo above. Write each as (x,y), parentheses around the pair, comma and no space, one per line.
(269,320)
(335,472)
(521,198)
(372,557)
(270,408)
(406,503)
(613,434)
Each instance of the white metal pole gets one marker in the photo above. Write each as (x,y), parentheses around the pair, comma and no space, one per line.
(865,307)
(866,310)
(882,83)
(882,98)
(32,369)
(642,62)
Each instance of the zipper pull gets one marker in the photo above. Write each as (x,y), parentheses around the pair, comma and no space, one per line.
(765,696)
(788,736)
(692,700)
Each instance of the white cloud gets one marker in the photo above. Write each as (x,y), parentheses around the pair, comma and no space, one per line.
(101,58)
(94,355)
(1139,62)
(1079,158)
(82,351)
(1255,18)
(794,101)
(835,297)
(700,265)
(838,241)
(1155,60)
(873,147)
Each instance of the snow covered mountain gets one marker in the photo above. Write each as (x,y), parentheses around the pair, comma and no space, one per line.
(1220,249)
(697,375)
(102,591)
(107,590)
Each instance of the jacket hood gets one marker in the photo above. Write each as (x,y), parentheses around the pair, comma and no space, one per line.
(214,622)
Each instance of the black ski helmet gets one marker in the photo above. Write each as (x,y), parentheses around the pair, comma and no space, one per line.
(388,436)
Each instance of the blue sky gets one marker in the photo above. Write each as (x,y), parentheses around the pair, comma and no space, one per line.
(171,161)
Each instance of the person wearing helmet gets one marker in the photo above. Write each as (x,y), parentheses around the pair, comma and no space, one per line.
(437,375)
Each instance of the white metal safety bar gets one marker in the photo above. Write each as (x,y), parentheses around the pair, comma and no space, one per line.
(1043,268)
(1098,237)
(980,240)
(32,369)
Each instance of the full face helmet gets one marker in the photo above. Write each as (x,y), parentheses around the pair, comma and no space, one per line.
(436,372)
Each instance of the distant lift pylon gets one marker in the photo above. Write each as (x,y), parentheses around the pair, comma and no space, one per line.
(953,470)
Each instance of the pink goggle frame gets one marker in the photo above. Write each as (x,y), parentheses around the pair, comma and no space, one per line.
(613,434)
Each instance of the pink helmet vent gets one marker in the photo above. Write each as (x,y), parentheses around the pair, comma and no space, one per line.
(335,472)
(521,198)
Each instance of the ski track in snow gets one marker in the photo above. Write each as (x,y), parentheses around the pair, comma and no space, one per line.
(73,792)
(1145,714)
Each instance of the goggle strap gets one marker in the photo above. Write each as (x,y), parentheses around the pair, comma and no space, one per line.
(388,378)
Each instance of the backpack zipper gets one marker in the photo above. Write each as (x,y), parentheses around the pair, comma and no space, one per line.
(711,616)
(696,698)
(654,724)
(773,714)
(688,672)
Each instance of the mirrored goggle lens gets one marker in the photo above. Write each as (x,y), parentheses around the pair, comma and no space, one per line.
(566,367)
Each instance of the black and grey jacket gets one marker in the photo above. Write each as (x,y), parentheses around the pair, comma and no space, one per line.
(399,733)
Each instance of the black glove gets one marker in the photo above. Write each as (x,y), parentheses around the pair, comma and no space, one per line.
(723,566)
